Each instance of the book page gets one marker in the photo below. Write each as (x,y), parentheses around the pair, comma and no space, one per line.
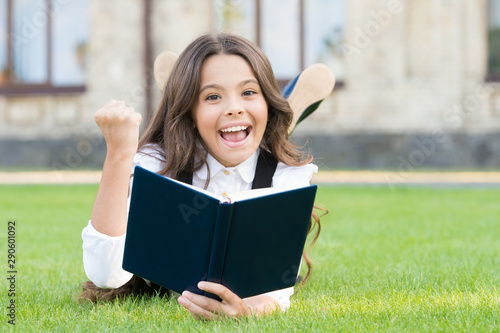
(245,195)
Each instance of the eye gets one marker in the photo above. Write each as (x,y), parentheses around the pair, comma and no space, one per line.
(249,92)
(212,97)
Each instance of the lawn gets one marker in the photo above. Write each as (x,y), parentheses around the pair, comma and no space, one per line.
(402,259)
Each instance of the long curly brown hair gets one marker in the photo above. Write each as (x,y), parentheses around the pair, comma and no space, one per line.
(173,123)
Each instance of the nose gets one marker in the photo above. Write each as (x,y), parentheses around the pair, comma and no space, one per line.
(239,112)
(235,108)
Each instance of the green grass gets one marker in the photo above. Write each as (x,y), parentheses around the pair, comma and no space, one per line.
(408,259)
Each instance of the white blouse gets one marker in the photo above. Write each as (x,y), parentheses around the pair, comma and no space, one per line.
(103,254)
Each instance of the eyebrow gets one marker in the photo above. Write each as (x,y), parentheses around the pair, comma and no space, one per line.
(216,86)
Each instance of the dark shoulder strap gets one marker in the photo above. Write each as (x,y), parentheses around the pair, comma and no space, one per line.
(264,172)
(186,177)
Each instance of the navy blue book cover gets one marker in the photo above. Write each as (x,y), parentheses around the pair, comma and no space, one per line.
(178,236)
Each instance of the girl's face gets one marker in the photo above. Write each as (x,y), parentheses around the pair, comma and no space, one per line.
(230,112)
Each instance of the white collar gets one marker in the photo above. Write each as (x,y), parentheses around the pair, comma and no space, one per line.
(246,168)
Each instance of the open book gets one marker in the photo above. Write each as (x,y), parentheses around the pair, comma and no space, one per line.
(179,235)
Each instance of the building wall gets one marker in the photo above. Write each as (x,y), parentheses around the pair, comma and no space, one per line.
(415,93)
(64,124)
(414,67)
(174,25)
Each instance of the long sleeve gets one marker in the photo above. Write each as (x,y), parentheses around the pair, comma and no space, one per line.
(102,258)
(103,254)
(282,297)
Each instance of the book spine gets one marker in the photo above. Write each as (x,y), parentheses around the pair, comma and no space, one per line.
(219,245)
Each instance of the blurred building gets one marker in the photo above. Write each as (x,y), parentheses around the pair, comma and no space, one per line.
(418,81)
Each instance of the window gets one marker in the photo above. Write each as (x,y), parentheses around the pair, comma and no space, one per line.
(3,43)
(43,45)
(325,23)
(293,33)
(280,36)
(494,39)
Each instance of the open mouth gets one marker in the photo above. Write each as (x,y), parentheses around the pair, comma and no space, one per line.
(235,133)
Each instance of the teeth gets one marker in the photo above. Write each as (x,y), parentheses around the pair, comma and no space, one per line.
(234,129)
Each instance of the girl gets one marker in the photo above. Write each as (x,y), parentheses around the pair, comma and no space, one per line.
(221,109)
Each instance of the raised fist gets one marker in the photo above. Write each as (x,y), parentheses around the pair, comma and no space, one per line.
(120,126)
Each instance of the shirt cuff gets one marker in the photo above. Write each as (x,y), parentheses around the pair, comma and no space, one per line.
(282,297)
(103,258)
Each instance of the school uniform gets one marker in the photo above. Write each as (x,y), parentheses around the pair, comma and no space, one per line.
(103,254)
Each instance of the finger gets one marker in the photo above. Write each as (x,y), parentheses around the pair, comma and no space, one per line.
(119,102)
(116,105)
(111,105)
(205,302)
(137,117)
(193,308)
(110,102)
(120,106)
(218,289)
